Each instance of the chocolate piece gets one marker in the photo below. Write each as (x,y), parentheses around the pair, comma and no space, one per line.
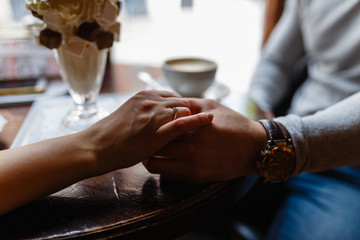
(35,14)
(104,40)
(50,39)
(88,31)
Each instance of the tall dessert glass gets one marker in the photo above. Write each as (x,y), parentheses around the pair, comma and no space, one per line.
(80,32)
(84,76)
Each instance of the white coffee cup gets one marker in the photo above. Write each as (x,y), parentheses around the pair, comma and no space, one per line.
(189,76)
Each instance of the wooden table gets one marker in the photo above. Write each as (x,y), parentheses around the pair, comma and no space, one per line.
(127,204)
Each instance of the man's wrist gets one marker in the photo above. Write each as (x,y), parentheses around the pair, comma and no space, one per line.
(259,143)
(260,136)
(277,160)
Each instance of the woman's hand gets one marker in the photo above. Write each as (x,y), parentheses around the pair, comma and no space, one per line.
(224,150)
(137,130)
(140,128)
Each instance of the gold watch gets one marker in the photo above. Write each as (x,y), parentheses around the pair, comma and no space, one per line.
(277,161)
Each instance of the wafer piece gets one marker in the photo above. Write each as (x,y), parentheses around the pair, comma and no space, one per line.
(109,13)
(115,29)
(76,46)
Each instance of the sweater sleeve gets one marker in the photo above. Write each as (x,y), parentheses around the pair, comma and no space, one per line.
(327,139)
(271,79)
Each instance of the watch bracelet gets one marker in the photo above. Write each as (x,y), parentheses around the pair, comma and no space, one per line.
(278,137)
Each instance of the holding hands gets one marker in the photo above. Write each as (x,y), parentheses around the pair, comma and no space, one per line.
(193,140)
(224,150)
(138,129)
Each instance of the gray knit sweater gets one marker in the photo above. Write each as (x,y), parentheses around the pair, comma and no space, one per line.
(328,32)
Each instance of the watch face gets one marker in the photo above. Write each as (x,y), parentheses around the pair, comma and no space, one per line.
(278,164)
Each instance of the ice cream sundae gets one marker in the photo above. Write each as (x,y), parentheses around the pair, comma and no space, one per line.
(81,31)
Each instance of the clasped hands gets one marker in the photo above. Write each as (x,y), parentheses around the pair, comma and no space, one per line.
(206,142)
(192,140)
(221,150)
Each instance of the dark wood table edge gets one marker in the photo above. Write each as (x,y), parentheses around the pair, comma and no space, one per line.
(147,227)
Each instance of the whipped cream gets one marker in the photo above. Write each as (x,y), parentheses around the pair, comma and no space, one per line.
(73,12)
(66,16)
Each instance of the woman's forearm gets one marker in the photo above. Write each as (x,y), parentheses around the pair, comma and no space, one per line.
(138,129)
(39,169)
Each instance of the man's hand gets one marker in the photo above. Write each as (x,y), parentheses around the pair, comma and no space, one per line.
(224,150)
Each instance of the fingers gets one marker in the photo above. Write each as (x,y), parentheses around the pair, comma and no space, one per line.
(155,95)
(173,150)
(166,94)
(167,167)
(195,106)
(178,112)
(183,125)
(173,114)
(164,107)
(198,105)
(150,99)
(176,102)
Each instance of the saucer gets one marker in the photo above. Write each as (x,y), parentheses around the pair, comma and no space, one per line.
(216,91)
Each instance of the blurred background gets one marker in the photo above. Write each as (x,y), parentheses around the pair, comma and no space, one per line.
(226,31)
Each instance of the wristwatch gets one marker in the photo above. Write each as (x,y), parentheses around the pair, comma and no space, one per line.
(277,161)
